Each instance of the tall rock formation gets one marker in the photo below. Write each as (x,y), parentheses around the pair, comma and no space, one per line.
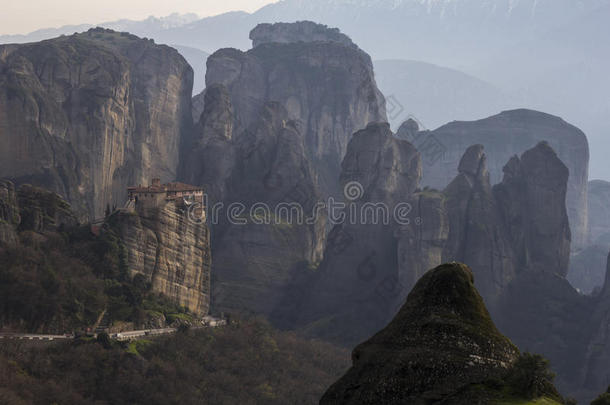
(170,249)
(357,285)
(87,115)
(265,172)
(441,347)
(322,80)
(519,227)
(503,136)
(274,128)
(477,233)
(532,199)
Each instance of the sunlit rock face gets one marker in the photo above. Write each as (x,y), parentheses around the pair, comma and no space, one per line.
(87,115)
(171,250)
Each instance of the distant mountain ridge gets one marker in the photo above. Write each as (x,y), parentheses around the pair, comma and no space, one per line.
(151,23)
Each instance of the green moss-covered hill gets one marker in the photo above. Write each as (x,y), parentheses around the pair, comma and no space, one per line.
(443,347)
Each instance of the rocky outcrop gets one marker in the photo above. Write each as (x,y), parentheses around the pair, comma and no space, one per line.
(87,115)
(357,287)
(531,198)
(211,158)
(477,233)
(275,126)
(327,86)
(439,346)
(518,227)
(503,136)
(171,250)
(302,31)
(266,171)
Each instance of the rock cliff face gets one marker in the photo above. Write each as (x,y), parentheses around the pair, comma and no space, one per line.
(512,133)
(440,344)
(274,129)
(87,115)
(520,226)
(266,171)
(357,287)
(327,85)
(171,251)
(532,199)
(477,233)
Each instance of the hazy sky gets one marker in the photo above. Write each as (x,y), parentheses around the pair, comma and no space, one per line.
(23,16)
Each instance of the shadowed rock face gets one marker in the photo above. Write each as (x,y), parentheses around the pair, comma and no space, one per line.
(441,341)
(532,199)
(327,86)
(512,133)
(477,234)
(89,114)
(275,127)
(266,164)
(356,287)
(518,227)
